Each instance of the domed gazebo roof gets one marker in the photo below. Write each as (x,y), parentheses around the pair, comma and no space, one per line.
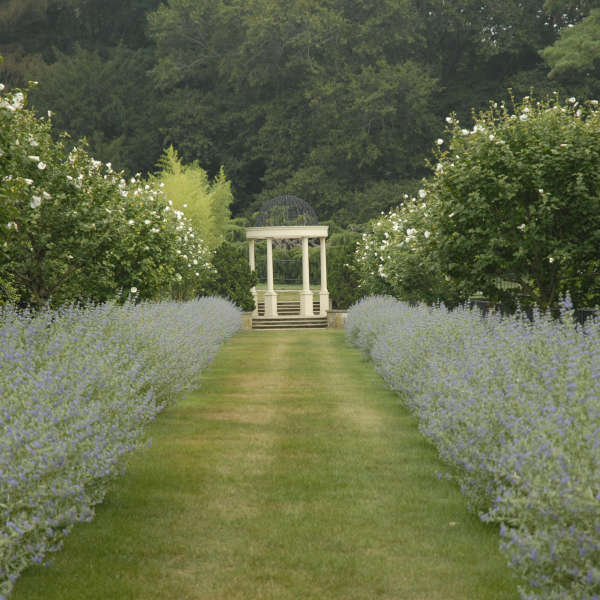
(286,211)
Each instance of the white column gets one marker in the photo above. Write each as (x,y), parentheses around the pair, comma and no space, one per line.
(306,297)
(305,270)
(324,293)
(269,265)
(270,295)
(253,268)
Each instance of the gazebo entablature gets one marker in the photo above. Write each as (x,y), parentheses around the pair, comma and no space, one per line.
(285,232)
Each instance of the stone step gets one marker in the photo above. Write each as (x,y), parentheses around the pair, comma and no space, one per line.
(289,323)
(293,318)
(289,303)
(289,307)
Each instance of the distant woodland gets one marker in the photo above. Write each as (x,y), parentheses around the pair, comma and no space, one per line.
(336,101)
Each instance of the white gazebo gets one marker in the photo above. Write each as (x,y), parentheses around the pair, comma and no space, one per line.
(286,208)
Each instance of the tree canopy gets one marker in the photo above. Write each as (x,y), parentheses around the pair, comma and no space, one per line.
(335,101)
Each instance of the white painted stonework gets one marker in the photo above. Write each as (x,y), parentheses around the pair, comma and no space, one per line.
(304,233)
(287,232)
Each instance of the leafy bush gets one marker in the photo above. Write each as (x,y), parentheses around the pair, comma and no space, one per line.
(514,406)
(343,281)
(397,256)
(517,199)
(233,278)
(77,387)
(512,211)
(74,230)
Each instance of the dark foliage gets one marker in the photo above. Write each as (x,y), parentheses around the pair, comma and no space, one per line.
(233,278)
(342,279)
(335,101)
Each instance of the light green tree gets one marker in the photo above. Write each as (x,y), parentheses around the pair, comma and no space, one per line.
(190,190)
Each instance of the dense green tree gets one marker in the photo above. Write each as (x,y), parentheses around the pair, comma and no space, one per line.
(578,48)
(232,277)
(573,57)
(32,31)
(325,98)
(106,97)
(335,101)
(478,51)
(92,58)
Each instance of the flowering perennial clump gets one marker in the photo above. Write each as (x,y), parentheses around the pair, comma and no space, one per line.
(398,255)
(511,211)
(77,387)
(73,229)
(514,406)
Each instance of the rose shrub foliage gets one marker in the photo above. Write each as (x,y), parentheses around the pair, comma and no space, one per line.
(512,211)
(71,229)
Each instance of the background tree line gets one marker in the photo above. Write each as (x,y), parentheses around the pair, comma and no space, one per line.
(335,101)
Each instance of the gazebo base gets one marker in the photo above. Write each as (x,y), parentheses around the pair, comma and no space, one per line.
(306,303)
(288,308)
(289,322)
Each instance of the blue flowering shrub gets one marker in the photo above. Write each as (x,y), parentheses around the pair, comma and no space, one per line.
(77,387)
(514,407)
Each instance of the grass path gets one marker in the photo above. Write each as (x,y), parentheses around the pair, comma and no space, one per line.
(291,474)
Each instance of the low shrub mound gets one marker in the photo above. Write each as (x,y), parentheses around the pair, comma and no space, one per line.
(514,406)
(78,385)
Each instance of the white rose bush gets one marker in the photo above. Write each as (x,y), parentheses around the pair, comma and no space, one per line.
(512,211)
(72,229)
(517,200)
(514,408)
(397,256)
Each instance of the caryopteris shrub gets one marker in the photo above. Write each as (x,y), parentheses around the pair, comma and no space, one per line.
(77,387)
(514,405)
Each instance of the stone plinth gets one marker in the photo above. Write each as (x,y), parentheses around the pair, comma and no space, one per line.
(247,320)
(336,319)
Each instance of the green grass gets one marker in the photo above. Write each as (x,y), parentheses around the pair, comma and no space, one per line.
(286,291)
(291,474)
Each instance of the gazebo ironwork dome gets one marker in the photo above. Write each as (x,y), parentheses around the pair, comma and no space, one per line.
(286,211)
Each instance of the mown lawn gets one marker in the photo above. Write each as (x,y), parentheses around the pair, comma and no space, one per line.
(291,474)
